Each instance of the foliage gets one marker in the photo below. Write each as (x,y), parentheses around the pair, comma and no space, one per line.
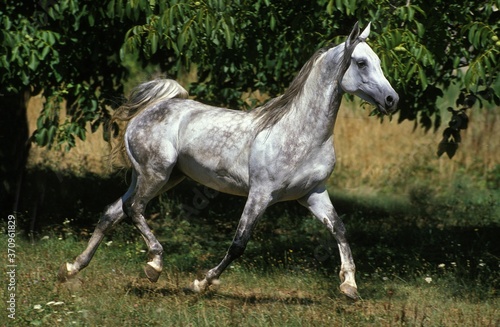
(53,47)
(75,49)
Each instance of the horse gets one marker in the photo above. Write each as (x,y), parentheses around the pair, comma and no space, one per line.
(280,151)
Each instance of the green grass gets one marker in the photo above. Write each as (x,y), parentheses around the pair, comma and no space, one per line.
(111,293)
(425,256)
(412,269)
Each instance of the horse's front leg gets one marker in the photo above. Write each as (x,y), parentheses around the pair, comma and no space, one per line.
(254,208)
(319,203)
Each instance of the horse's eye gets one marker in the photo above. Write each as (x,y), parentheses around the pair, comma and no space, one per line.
(361,63)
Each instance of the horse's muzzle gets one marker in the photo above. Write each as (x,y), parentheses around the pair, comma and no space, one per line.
(391,104)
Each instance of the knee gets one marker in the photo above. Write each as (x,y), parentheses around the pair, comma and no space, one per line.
(336,224)
(339,228)
(156,248)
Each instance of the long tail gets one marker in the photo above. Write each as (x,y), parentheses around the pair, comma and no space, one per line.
(142,96)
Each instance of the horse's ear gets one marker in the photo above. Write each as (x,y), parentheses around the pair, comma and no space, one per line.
(365,33)
(353,36)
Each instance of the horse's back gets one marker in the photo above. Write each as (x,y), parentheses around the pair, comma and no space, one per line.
(211,145)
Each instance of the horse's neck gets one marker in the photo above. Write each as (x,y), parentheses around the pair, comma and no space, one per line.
(317,106)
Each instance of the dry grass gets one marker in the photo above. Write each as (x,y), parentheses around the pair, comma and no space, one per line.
(372,154)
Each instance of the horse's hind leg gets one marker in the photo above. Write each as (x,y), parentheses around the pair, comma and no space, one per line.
(112,216)
(148,186)
(320,205)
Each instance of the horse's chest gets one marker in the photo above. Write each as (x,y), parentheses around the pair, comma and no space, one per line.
(292,171)
(313,169)
(304,180)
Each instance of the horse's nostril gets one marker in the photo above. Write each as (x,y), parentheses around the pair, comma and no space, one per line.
(389,100)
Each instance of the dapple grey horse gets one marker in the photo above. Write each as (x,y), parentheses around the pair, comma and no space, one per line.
(280,151)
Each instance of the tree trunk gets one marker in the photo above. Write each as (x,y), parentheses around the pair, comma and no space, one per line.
(14,148)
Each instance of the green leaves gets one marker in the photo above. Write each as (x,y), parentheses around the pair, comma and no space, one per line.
(479,34)
(407,13)
(53,131)
(485,67)
(181,26)
(405,58)
(77,50)
(345,6)
(24,48)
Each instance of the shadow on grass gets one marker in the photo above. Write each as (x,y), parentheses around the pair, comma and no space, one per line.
(255,299)
(142,290)
(246,299)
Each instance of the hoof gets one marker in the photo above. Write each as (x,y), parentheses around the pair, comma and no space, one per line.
(198,286)
(151,273)
(63,273)
(201,286)
(349,291)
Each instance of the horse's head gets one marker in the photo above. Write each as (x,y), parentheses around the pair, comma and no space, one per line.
(365,78)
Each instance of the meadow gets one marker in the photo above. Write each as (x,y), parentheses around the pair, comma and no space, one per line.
(423,230)
(409,273)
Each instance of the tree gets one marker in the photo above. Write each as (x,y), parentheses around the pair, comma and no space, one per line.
(74,50)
